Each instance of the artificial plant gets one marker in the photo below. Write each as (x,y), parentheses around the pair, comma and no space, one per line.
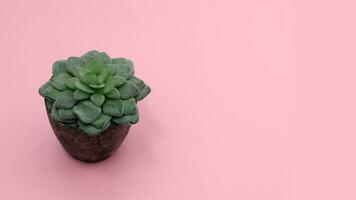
(93,91)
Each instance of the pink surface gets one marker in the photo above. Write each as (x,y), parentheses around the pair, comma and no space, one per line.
(252,100)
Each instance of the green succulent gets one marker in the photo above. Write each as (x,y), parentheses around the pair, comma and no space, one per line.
(93,91)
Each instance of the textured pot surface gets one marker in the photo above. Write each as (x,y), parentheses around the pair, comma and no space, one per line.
(89,148)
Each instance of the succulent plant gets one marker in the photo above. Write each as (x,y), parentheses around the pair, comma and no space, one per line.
(93,91)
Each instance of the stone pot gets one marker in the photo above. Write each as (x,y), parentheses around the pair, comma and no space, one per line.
(89,148)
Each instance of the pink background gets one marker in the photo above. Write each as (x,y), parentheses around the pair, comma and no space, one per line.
(252,99)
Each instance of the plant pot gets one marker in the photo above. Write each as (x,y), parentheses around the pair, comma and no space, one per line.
(89,148)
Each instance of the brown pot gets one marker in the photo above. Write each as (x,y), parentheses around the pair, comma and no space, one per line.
(89,148)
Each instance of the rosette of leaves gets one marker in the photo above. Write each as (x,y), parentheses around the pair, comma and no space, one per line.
(93,91)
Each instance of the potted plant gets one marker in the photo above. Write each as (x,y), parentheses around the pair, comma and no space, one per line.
(91,102)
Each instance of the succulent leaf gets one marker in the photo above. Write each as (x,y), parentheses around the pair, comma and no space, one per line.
(70,83)
(59,81)
(81,86)
(66,100)
(103,75)
(111,69)
(80,95)
(97,99)
(102,121)
(49,105)
(43,89)
(87,111)
(128,90)
(120,61)
(111,83)
(103,57)
(118,80)
(87,77)
(90,54)
(143,93)
(73,65)
(67,114)
(89,129)
(59,67)
(114,94)
(113,107)
(48,91)
(92,65)
(137,82)
(126,119)
(124,70)
(129,106)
